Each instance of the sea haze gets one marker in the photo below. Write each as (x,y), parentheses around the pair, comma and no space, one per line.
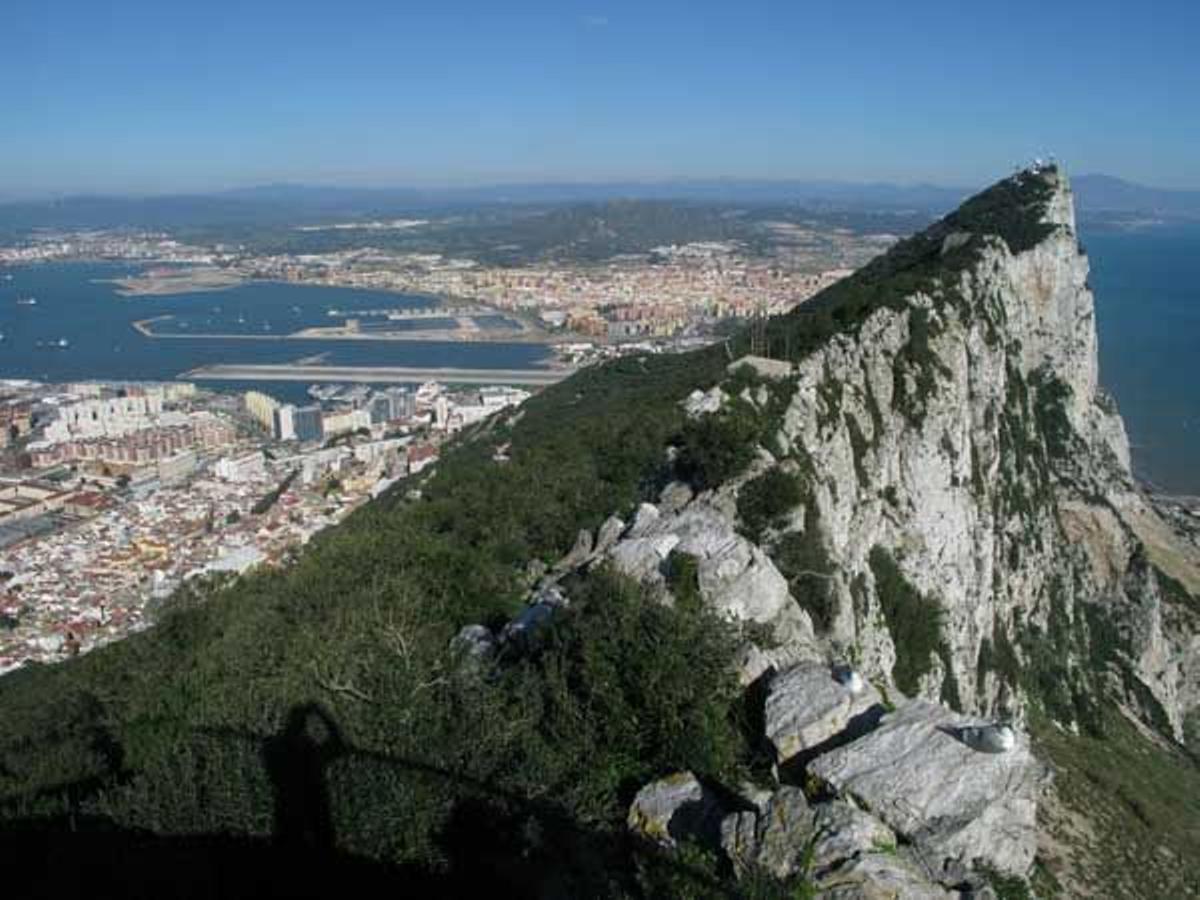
(76,304)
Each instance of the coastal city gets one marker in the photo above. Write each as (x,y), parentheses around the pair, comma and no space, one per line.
(673,290)
(116,497)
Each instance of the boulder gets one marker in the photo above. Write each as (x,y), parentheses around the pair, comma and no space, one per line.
(674,497)
(736,577)
(642,558)
(700,403)
(809,705)
(787,836)
(644,520)
(880,876)
(843,832)
(609,533)
(773,839)
(676,808)
(739,840)
(474,642)
(786,829)
(551,594)
(958,805)
(578,553)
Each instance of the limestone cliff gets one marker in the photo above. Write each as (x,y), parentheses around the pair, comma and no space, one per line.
(941,502)
(967,527)
(965,433)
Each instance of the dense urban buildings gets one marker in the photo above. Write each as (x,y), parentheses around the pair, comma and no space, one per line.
(114,496)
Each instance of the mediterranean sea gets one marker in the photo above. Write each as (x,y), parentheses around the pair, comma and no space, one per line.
(1147,287)
(76,305)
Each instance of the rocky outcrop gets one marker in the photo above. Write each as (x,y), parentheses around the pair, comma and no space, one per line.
(923,772)
(807,706)
(959,520)
(675,808)
(835,847)
(961,430)
(735,577)
(881,876)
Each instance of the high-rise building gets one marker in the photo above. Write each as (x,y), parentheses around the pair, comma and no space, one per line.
(262,407)
(381,409)
(404,403)
(308,423)
(285,423)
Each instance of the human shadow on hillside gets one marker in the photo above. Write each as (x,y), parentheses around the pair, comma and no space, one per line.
(498,840)
(296,761)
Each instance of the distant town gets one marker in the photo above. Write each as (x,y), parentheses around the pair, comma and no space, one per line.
(674,290)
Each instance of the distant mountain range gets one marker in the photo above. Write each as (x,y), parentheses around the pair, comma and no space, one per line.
(1099,197)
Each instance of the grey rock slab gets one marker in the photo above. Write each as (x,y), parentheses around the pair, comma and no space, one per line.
(955,803)
(700,403)
(644,520)
(843,832)
(880,876)
(676,808)
(785,831)
(579,552)
(674,497)
(642,557)
(609,533)
(807,705)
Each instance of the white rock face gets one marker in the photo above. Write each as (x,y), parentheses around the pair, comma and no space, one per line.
(930,432)
(954,802)
(806,706)
(700,403)
(609,533)
(736,577)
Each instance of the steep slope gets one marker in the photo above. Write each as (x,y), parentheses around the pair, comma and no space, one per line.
(963,433)
(924,483)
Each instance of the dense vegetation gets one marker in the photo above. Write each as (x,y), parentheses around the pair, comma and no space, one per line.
(324,712)
(345,656)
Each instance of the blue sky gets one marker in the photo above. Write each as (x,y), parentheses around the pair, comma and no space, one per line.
(124,95)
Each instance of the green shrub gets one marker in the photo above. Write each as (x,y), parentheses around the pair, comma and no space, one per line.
(913,620)
(763,502)
(715,448)
(802,559)
(683,578)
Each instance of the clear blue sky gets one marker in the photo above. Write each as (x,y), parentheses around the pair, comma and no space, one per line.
(125,95)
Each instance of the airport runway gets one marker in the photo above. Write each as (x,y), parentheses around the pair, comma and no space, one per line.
(375,374)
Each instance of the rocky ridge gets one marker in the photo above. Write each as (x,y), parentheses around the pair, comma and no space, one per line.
(966,538)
